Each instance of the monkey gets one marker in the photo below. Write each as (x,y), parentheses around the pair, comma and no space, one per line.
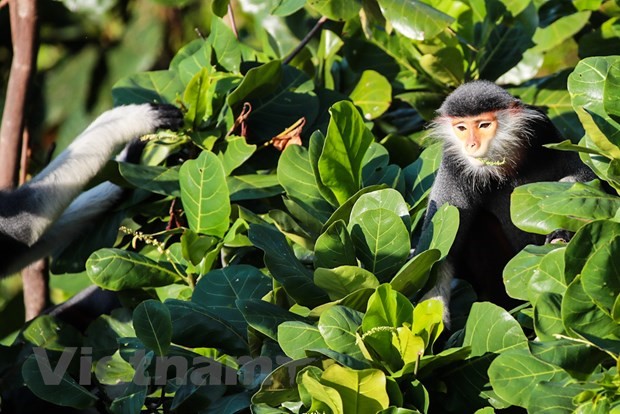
(492,143)
(50,210)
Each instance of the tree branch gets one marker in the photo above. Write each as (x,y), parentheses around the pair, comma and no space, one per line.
(305,40)
(23,22)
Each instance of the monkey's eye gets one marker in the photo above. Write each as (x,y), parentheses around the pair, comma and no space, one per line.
(461,127)
(485,124)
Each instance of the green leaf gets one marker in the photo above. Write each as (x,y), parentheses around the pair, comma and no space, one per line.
(152,323)
(323,398)
(415,19)
(158,180)
(220,7)
(522,267)
(445,65)
(593,253)
(419,176)
(414,274)
(336,9)
(334,247)
(441,232)
(539,207)
(346,142)
(205,195)
(195,326)
(258,81)
(373,94)
(225,45)
(253,186)
(515,374)
(381,241)
(592,86)
(388,199)
(235,152)
(218,289)
(387,307)
(266,317)
(47,332)
(491,329)
(115,269)
(115,370)
(195,98)
(295,337)
(284,266)
(564,28)
(296,176)
(338,327)
(54,386)
(160,86)
(362,392)
(344,280)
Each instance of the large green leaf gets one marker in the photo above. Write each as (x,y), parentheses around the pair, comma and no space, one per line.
(52,385)
(295,337)
(338,327)
(258,81)
(205,195)
(388,199)
(159,180)
(116,269)
(593,253)
(266,317)
(152,323)
(160,86)
(527,212)
(491,329)
(362,392)
(334,247)
(581,314)
(295,174)
(381,241)
(253,186)
(414,274)
(218,289)
(196,326)
(373,93)
(520,270)
(441,232)
(344,280)
(592,88)
(284,266)
(415,19)
(346,142)
(515,374)
(234,153)
(336,9)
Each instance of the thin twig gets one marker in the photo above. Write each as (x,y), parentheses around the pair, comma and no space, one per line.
(233,24)
(305,40)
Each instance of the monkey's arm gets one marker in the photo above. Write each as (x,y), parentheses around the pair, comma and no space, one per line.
(28,211)
(448,188)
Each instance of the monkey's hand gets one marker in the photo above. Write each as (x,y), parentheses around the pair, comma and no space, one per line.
(559,236)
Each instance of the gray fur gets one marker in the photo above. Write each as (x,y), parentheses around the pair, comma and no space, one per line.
(39,216)
(522,132)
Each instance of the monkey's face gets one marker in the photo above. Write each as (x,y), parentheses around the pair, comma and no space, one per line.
(475,134)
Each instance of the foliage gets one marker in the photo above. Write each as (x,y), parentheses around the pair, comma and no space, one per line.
(285,282)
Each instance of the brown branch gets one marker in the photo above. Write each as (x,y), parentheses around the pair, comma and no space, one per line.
(23,22)
(233,24)
(305,40)
(23,18)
